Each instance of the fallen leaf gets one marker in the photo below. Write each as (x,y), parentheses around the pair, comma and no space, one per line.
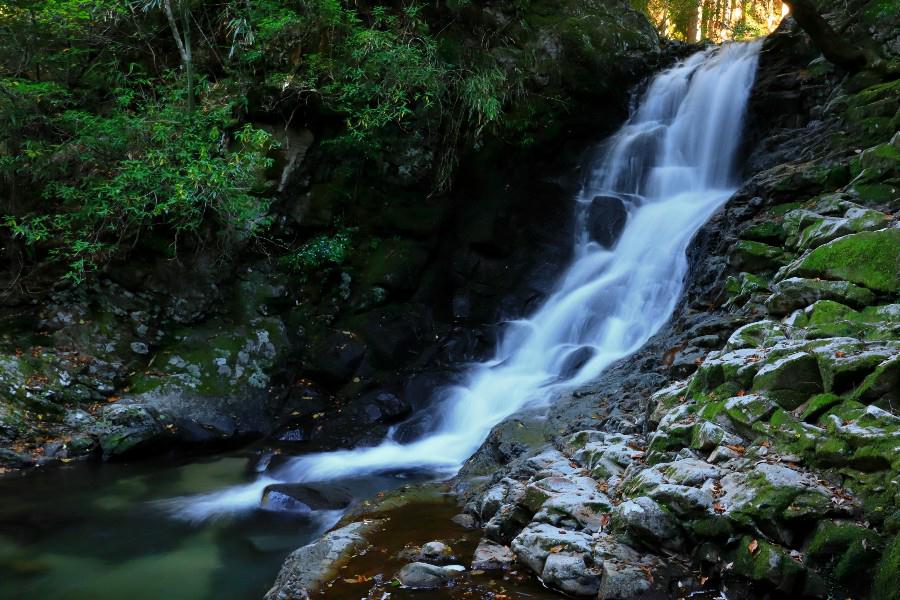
(753,546)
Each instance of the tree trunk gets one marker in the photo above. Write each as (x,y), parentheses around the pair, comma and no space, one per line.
(835,49)
(184,45)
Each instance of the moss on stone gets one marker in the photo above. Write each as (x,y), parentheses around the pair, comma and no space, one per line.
(760,561)
(712,527)
(767,232)
(817,405)
(888,573)
(870,259)
(757,257)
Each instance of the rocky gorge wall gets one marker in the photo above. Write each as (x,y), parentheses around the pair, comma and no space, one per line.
(751,446)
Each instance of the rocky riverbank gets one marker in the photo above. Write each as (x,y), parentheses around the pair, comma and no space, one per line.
(752,445)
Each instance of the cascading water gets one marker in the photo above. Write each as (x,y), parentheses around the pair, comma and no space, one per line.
(669,168)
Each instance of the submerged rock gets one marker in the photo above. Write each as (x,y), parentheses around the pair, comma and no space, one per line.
(420,575)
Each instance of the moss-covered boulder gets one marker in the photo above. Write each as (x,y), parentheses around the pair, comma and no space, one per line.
(843,365)
(797,292)
(870,259)
(756,335)
(790,380)
(848,550)
(886,587)
(829,319)
(756,257)
(882,386)
(761,561)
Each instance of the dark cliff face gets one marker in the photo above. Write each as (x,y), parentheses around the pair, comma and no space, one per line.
(219,346)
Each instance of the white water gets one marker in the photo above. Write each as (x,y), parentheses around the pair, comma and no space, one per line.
(672,164)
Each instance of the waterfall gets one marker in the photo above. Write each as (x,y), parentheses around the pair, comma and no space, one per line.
(661,177)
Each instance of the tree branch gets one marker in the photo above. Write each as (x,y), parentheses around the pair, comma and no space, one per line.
(836,49)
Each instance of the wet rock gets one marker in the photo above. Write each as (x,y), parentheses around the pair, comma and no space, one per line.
(796,292)
(308,568)
(312,496)
(465,521)
(573,574)
(689,471)
(605,220)
(128,430)
(756,257)
(534,544)
(707,436)
(490,556)
(435,552)
(576,502)
(508,491)
(790,380)
(507,522)
(419,575)
(607,456)
(644,520)
(336,356)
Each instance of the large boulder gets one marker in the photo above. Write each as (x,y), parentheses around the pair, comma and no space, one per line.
(870,259)
(605,219)
(308,568)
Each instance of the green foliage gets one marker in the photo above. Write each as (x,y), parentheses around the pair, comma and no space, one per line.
(147,163)
(98,151)
(321,253)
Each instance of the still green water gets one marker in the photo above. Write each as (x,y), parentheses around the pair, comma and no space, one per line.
(94,532)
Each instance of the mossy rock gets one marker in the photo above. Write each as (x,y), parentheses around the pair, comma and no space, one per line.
(712,527)
(217,359)
(763,562)
(793,435)
(738,367)
(886,578)
(842,369)
(767,232)
(870,259)
(817,405)
(797,292)
(830,319)
(814,178)
(395,265)
(757,257)
(882,386)
(851,550)
(790,380)
(756,335)
(877,192)
(747,410)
